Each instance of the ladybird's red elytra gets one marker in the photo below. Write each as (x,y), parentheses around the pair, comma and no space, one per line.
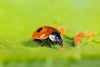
(47,30)
(47,34)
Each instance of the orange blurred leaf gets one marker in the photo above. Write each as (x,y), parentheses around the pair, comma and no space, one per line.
(90,33)
(77,40)
(62,30)
(81,34)
(89,40)
(3,47)
(62,48)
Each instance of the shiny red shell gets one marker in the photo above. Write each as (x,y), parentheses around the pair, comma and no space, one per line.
(43,32)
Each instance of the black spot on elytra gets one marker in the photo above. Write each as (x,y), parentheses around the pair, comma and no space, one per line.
(39,29)
(47,28)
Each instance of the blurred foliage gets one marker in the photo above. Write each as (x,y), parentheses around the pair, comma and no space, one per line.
(19,18)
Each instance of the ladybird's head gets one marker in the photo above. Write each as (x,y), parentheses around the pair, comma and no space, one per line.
(56,37)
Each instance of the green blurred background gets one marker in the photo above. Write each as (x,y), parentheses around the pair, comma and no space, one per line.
(19,18)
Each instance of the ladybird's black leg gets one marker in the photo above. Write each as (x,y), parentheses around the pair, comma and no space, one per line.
(44,42)
(42,45)
(37,40)
(61,45)
(50,45)
(49,42)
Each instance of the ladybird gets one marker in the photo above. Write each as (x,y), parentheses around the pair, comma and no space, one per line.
(49,35)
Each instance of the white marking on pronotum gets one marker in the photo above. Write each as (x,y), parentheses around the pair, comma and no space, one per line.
(42,35)
(52,37)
